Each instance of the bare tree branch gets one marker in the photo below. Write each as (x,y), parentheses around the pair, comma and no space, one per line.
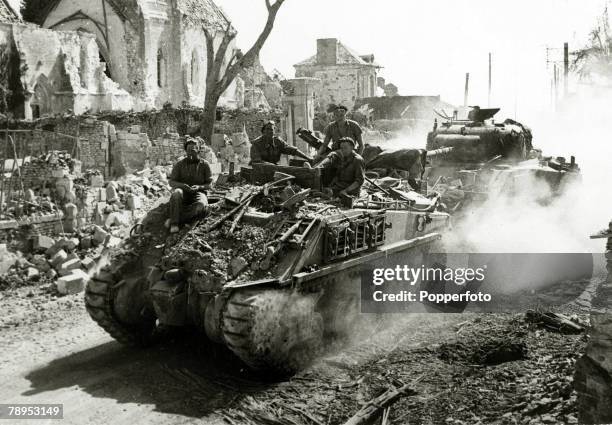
(249,57)
(228,36)
(218,78)
(210,53)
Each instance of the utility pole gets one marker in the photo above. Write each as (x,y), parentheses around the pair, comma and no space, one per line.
(556,85)
(565,67)
(489,102)
(467,88)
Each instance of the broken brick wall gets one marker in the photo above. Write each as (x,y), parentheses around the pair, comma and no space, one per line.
(99,147)
(60,133)
(187,121)
(251,120)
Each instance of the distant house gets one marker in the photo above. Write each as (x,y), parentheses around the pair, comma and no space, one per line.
(345,75)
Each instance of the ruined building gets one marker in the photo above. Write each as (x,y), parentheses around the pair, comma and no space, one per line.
(110,55)
(261,90)
(345,76)
(154,49)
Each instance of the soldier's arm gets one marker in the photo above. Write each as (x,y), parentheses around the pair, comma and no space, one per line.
(324,147)
(329,161)
(359,139)
(359,177)
(292,150)
(206,177)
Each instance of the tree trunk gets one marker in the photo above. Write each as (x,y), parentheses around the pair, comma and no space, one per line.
(209,116)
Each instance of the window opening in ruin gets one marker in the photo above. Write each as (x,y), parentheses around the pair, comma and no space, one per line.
(161,69)
(103,60)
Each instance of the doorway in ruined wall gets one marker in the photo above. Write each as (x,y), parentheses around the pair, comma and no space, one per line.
(41,100)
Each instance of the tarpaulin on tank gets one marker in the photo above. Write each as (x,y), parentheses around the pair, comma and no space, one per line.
(411,160)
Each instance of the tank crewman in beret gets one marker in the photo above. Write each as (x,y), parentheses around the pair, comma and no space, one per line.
(348,166)
(269,148)
(340,128)
(190,178)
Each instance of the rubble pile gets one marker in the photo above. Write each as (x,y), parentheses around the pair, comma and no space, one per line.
(90,215)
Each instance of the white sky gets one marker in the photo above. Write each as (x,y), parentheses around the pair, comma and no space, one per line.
(426,47)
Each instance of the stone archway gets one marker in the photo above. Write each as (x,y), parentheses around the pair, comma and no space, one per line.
(42,102)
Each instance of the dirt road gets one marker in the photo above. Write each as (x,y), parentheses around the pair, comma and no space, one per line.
(51,352)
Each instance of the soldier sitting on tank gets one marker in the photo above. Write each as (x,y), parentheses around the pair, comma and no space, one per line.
(268,147)
(190,178)
(338,129)
(348,168)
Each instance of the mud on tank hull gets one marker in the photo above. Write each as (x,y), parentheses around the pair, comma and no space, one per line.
(278,324)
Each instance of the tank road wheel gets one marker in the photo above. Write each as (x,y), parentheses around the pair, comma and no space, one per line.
(117,306)
(273,330)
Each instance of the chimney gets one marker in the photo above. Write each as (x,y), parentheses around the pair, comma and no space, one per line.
(327,51)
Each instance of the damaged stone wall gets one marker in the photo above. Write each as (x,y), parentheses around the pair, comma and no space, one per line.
(130,141)
(60,72)
(186,120)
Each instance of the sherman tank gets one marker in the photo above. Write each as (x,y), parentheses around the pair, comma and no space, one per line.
(272,273)
(482,158)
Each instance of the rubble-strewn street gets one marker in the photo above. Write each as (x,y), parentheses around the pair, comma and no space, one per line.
(52,352)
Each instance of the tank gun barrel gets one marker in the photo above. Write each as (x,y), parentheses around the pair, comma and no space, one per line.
(440,151)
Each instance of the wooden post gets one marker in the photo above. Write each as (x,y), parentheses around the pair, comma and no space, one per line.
(490,76)
(565,68)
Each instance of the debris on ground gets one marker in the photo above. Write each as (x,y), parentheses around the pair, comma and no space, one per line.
(554,321)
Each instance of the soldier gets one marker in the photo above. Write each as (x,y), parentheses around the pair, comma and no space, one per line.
(190,178)
(349,168)
(340,128)
(268,147)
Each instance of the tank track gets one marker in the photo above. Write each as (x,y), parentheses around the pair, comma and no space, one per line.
(272,330)
(99,300)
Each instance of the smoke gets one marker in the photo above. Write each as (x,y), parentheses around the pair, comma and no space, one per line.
(519,222)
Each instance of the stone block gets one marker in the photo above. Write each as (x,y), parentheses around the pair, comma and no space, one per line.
(88,264)
(72,283)
(116,219)
(67,266)
(111,193)
(133,202)
(73,256)
(42,243)
(32,272)
(96,181)
(99,236)
(57,246)
(60,257)
(72,244)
